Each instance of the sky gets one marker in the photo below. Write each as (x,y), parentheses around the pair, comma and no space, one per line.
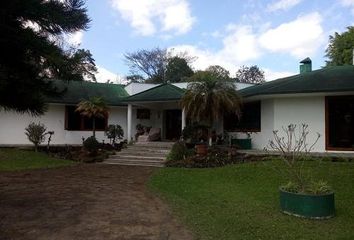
(275,35)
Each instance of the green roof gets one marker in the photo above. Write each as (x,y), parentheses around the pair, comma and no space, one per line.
(75,91)
(163,92)
(329,79)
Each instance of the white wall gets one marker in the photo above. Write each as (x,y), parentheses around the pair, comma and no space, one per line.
(308,110)
(12,126)
(279,112)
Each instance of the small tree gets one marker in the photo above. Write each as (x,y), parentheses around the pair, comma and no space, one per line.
(36,134)
(293,146)
(114,132)
(93,108)
(208,98)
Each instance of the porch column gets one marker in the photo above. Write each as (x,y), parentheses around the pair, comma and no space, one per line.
(129,122)
(183,118)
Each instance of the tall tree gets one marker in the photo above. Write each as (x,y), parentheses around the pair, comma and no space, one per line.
(207,98)
(340,48)
(93,108)
(31,52)
(177,70)
(218,72)
(250,74)
(152,64)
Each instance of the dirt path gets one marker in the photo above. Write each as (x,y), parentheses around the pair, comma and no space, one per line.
(84,202)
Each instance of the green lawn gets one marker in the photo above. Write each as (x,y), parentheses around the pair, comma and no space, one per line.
(241,202)
(15,159)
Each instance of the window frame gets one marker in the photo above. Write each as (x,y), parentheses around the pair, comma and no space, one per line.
(252,130)
(82,121)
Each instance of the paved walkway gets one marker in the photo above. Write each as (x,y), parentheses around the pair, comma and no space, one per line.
(84,202)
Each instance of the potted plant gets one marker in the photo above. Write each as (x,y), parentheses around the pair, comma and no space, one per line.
(302,196)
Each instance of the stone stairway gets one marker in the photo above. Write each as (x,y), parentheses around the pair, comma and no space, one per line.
(149,154)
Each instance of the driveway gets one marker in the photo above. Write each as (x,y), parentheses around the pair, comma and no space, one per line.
(84,202)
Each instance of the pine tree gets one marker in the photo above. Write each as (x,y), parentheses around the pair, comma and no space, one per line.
(31,51)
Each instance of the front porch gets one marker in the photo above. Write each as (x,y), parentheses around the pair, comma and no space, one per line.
(157,108)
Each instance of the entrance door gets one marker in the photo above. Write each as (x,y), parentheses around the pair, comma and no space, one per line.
(173,124)
(340,123)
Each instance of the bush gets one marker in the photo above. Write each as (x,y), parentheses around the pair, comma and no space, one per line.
(216,157)
(91,144)
(179,152)
(114,132)
(36,133)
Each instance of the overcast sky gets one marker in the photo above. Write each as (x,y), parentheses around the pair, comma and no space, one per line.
(275,35)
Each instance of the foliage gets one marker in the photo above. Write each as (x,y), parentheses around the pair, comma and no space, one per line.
(340,48)
(135,78)
(33,50)
(319,187)
(294,148)
(152,64)
(35,133)
(177,70)
(218,72)
(114,132)
(250,74)
(216,157)
(241,202)
(194,133)
(12,159)
(93,108)
(91,144)
(207,98)
(179,152)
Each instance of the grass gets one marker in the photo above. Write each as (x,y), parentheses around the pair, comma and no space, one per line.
(241,201)
(14,159)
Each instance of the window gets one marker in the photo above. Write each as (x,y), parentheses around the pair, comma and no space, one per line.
(75,121)
(250,120)
(340,123)
(143,113)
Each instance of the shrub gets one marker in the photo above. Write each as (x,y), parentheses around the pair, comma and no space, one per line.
(114,132)
(36,133)
(91,144)
(179,152)
(216,157)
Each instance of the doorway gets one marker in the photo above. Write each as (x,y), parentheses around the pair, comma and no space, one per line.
(340,123)
(173,124)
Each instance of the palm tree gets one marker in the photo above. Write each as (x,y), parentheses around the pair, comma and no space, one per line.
(93,108)
(208,98)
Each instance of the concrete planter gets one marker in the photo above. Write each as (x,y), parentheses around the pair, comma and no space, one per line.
(245,143)
(307,205)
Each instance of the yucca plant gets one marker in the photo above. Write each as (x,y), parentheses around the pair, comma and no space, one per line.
(207,98)
(93,108)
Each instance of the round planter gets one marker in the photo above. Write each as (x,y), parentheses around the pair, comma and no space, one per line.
(307,205)
(201,149)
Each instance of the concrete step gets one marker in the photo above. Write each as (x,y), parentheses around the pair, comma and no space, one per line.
(150,154)
(135,162)
(137,157)
(144,151)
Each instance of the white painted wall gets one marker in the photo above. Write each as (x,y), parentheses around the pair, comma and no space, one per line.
(279,112)
(12,126)
(308,110)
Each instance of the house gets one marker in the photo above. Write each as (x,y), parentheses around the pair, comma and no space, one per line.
(323,99)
